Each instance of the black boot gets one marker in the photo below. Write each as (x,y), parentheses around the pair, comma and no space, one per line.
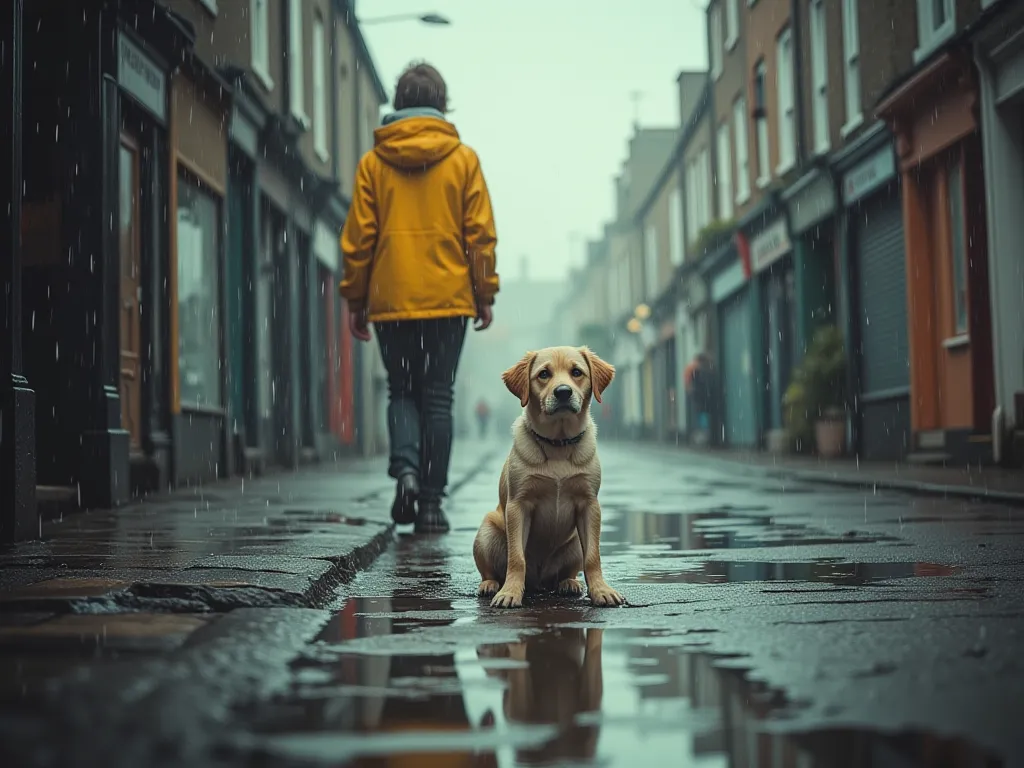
(407,492)
(431,518)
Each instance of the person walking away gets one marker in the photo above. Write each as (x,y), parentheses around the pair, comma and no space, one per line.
(698,388)
(483,415)
(419,255)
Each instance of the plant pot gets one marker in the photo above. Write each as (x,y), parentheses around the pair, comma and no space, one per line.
(830,435)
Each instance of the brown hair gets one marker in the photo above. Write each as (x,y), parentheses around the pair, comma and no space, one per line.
(421,86)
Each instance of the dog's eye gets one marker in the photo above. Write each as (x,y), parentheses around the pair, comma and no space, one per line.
(544,375)
(576,373)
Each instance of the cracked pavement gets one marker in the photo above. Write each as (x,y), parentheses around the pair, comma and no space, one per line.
(771,621)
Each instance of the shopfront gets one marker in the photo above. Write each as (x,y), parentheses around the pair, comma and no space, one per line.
(874,298)
(96,247)
(934,118)
(738,374)
(201,398)
(999,56)
(771,259)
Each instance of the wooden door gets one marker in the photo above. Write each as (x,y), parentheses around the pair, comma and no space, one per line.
(131,290)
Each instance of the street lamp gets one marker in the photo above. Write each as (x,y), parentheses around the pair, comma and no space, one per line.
(426,18)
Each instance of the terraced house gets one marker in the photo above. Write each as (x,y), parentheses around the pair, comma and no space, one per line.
(176,244)
(854,169)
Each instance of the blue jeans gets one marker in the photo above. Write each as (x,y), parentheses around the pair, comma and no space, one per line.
(421,358)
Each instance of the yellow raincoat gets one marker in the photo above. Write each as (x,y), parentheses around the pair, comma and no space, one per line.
(419,239)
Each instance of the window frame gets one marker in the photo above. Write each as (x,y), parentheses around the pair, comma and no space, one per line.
(259,41)
(723,171)
(929,36)
(852,94)
(956,212)
(785,101)
(819,76)
(321,122)
(652,262)
(296,67)
(715,32)
(741,149)
(732,24)
(676,227)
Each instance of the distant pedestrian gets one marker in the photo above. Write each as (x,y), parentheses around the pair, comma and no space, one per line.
(419,256)
(483,415)
(699,385)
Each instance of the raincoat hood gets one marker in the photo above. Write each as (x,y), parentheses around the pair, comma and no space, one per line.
(415,139)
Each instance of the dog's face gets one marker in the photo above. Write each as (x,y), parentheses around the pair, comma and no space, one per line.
(557,382)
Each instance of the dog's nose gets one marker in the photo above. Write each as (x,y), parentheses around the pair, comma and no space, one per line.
(563,392)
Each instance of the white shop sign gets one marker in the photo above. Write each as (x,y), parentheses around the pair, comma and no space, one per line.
(140,76)
(769,246)
(727,282)
(869,175)
(326,246)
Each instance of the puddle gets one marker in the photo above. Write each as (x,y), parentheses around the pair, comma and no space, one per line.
(836,572)
(569,695)
(723,528)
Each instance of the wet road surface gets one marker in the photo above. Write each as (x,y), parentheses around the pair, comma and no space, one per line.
(767,626)
(770,623)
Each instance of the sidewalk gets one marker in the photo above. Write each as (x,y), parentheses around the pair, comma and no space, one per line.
(285,540)
(993,484)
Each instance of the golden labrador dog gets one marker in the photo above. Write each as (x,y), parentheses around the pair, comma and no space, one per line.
(547,526)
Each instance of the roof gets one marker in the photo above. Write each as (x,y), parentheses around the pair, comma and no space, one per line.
(347,13)
(672,164)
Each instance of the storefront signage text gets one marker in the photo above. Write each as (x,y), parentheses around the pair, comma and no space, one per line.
(769,246)
(140,77)
(869,175)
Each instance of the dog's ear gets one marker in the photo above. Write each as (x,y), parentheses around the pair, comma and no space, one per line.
(517,378)
(601,373)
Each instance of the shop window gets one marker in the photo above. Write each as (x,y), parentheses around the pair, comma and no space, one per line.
(935,25)
(260,31)
(320,89)
(958,246)
(851,65)
(819,76)
(199,313)
(715,43)
(786,106)
(761,124)
(739,119)
(296,81)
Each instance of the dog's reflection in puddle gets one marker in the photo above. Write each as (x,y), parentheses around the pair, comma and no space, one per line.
(557,679)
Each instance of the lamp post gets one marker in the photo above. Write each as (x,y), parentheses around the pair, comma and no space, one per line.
(435,19)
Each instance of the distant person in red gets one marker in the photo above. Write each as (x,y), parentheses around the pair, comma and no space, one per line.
(697,379)
(483,415)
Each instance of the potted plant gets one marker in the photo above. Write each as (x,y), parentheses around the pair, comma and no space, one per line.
(815,401)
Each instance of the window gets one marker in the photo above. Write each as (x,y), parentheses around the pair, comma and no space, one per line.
(723,179)
(786,116)
(732,23)
(209,5)
(958,249)
(761,124)
(199,337)
(715,43)
(819,76)
(698,198)
(260,31)
(851,68)
(704,182)
(319,89)
(935,25)
(296,83)
(675,227)
(739,121)
(652,269)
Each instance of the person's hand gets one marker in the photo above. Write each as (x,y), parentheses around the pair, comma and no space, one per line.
(484,317)
(358,326)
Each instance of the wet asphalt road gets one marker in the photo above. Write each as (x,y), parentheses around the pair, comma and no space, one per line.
(769,624)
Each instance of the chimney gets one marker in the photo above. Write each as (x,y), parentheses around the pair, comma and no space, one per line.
(524,269)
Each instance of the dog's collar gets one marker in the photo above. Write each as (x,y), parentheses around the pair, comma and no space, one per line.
(562,443)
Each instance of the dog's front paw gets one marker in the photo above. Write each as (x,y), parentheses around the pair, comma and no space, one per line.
(487,588)
(606,597)
(508,597)
(570,587)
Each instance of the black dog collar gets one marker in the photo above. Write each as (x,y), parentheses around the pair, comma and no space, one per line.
(563,443)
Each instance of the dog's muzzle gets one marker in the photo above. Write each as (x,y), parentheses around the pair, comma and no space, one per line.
(563,399)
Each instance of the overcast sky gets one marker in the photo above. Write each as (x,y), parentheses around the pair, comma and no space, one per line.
(541,89)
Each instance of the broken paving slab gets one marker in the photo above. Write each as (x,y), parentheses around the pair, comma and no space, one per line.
(125,631)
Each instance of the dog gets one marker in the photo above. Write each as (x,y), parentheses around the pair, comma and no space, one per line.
(547,527)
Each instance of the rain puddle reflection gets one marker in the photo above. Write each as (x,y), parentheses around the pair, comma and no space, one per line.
(836,572)
(372,692)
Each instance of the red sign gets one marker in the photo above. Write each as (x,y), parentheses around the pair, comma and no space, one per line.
(743,246)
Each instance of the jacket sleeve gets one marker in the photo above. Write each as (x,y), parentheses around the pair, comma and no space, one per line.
(359,240)
(479,235)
